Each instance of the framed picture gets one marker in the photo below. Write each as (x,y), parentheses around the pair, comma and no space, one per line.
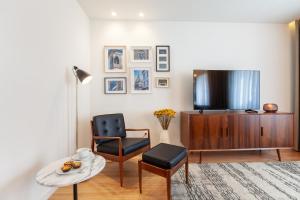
(115,85)
(162,58)
(162,82)
(141,80)
(115,59)
(141,54)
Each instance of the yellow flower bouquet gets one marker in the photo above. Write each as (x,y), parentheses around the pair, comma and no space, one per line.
(164,116)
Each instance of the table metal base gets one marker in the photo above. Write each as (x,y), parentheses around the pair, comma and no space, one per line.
(75,195)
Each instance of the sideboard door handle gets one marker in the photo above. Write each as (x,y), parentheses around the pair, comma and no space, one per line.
(221,133)
(261,131)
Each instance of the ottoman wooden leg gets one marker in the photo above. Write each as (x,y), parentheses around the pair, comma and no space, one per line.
(140,175)
(169,186)
(187,170)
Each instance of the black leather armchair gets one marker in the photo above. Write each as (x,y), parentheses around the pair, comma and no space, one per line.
(109,140)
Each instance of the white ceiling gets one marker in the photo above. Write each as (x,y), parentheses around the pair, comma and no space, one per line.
(271,11)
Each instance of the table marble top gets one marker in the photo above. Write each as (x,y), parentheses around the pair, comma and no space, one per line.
(48,176)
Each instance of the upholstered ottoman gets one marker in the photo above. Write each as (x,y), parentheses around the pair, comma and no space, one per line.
(164,160)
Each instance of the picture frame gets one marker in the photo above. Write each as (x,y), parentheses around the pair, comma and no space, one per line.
(115,59)
(163,58)
(115,85)
(141,80)
(141,54)
(162,82)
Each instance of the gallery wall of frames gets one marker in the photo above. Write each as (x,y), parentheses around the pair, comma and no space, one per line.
(135,65)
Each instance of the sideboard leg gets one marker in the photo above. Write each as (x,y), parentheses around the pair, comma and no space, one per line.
(278,154)
(75,195)
(200,157)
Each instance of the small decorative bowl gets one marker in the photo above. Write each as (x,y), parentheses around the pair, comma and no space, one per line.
(270,107)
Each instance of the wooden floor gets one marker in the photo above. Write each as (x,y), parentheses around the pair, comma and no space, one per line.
(105,186)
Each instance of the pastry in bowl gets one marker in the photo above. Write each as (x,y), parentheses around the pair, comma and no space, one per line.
(76,164)
(70,163)
(66,168)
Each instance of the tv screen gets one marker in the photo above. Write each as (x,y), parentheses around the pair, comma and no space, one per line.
(226,89)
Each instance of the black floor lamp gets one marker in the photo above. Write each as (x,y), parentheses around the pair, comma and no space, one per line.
(84,78)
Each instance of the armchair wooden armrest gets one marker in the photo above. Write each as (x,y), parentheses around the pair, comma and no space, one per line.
(140,129)
(114,138)
(105,137)
(136,129)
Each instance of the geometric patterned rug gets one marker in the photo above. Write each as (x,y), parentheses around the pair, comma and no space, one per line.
(243,181)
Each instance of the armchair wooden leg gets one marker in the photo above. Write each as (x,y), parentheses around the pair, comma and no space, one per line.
(187,170)
(140,176)
(121,172)
(169,187)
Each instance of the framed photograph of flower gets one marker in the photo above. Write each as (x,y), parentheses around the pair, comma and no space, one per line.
(163,58)
(115,85)
(141,80)
(115,59)
(162,82)
(141,54)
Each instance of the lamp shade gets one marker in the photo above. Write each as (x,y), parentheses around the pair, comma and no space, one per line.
(82,75)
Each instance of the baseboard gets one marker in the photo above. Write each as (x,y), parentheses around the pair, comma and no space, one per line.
(48,194)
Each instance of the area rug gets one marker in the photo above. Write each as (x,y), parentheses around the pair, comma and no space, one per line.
(245,181)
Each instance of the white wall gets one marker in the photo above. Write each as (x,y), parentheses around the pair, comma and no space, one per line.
(40,42)
(194,45)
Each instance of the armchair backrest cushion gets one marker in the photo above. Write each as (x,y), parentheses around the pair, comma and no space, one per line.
(112,125)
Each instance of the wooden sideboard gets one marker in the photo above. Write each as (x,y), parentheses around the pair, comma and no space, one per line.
(229,130)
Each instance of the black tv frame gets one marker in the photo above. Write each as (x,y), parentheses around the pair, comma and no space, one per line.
(210,109)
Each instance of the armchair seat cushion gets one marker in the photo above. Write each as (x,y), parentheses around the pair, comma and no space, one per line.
(129,145)
(165,155)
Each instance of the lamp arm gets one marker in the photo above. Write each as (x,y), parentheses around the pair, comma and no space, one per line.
(74,71)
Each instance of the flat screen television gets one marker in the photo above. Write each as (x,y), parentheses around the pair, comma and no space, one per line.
(226,89)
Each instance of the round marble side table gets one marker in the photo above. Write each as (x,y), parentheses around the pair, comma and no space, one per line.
(47,176)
